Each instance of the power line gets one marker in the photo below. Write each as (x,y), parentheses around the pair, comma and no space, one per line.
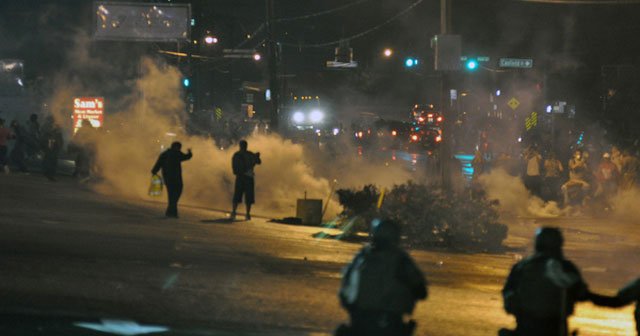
(329,11)
(358,35)
(584,2)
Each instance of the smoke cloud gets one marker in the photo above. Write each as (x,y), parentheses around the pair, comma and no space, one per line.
(145,120)
(514,197)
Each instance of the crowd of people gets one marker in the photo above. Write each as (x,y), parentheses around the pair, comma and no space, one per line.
(586,176)
(32,143)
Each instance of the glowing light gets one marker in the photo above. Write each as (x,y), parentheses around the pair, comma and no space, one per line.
(414,137)
(387,52)
(298,117)
(336,131)
(549,108)
(471,65)
(498,93)
(439,138)
(439,119)
(394,133)
(257,57)
(410,62)
(316,116)
(210,40)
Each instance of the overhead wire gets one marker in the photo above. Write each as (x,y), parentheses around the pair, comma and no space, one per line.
(358,35)
(325,12)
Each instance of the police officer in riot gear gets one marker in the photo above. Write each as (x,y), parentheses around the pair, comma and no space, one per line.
(381,285)
(541,290)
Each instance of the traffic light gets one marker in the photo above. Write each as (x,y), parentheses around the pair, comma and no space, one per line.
(186,82)
(471,64)
(411,62)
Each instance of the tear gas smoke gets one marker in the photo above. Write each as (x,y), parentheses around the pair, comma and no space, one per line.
(514,197)
(133,138)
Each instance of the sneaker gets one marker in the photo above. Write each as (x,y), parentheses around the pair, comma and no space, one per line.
(232,216)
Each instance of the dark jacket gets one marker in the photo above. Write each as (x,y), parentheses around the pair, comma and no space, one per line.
(243,162)
(531,291)
(170,164)
(387,280)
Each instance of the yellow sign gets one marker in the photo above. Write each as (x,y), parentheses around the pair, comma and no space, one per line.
(513,103)
(531,121)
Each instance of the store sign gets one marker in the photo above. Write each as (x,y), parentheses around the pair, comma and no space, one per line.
(88,108)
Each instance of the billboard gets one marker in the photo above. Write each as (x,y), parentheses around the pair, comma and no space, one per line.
(124,21)
(88,108)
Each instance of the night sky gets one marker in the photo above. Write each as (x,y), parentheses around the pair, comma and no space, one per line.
(570,42)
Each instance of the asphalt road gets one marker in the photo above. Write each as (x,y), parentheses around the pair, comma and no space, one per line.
(70,254)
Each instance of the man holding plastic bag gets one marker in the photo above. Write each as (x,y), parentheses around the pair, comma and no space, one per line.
(170,162)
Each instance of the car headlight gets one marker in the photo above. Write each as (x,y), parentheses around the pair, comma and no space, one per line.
(316,116)
(298,117)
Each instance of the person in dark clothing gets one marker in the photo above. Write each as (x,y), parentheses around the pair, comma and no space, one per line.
(52,144)
(83,145)
(380,286)
(5,135)
(170,162)
(33,136)
(627,295)
(242,163)
(18,151)
(541,290)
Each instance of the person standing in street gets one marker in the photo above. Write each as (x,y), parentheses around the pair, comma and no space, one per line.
(170,162)
(52,143)
(242,163)
(552,174)
(5,135)
(381,285)
(33,135)
(541,290)
(17,153)
(533,178)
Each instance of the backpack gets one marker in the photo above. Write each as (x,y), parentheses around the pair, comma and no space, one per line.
(542,288)
(372,282)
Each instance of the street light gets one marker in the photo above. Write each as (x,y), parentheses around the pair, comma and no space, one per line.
(210,40)
(387,52)
(257,57)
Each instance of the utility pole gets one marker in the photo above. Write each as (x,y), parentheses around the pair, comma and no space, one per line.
(274,84)
(445,146)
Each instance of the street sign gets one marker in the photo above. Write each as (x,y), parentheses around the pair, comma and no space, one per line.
(531,121)
(522,63)
(347,65)
(513,103)
(479,58)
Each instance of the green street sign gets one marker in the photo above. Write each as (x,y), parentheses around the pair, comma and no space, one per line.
(522,63)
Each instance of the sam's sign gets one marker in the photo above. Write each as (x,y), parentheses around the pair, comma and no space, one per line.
(88,108)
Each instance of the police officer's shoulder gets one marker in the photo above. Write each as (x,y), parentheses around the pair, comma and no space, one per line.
(631,291)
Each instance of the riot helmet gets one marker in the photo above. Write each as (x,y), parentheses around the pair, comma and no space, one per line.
(385,233)
(549,241)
